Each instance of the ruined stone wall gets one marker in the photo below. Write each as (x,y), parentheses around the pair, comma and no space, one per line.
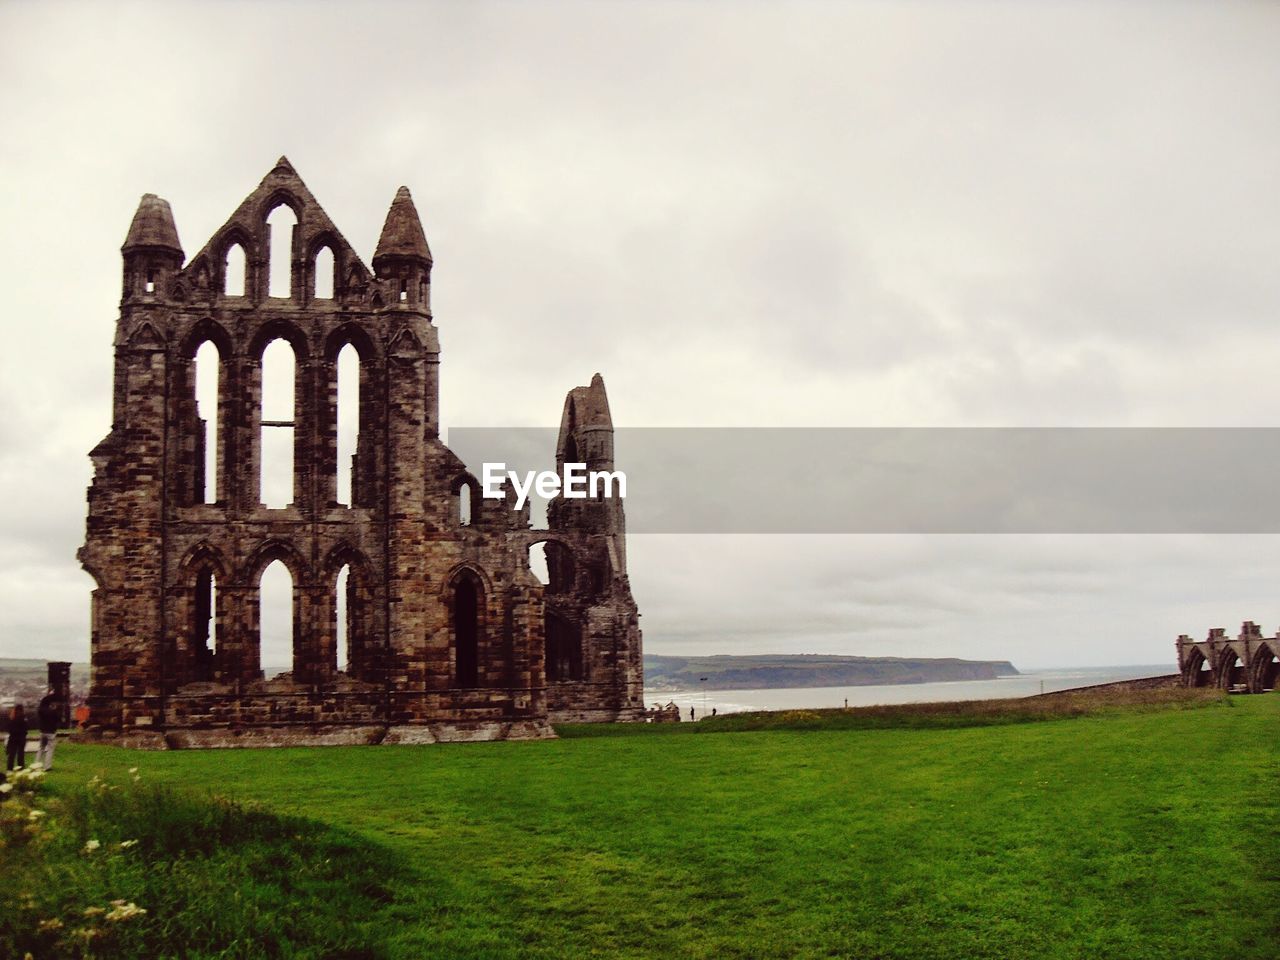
(1248,663)
(446,625)
(589,593)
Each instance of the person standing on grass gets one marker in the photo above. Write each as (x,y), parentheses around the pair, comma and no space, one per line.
(15,749)
(691,713)
(49,713)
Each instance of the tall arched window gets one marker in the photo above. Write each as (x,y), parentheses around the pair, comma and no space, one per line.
(204,628)
(348,421)
(234,271)
(275,619)
(323,272)
(467,602)
(280,226)
(208,371)
(464,505)
(277,424)
(342,635)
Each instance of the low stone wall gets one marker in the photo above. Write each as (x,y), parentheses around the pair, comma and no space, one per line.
(1164,681)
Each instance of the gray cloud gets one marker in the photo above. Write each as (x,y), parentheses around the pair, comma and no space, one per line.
(810,214)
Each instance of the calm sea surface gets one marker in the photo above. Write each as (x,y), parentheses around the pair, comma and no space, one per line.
(794,698)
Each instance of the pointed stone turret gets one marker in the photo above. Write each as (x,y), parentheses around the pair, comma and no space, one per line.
(586,427)
(152,252)
(403,259)
(402,236)
(153,227)
(595,405)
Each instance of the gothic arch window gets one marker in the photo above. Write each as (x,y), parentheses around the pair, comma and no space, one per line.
(351,628)
(204,625)
(466,616)
(276,629)
(207,389)
(466,500)
(342,625)
(282,224)
(235,271)
(323,272)
(277,424)
(348,422)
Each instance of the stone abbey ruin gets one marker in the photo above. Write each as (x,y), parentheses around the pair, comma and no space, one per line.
(415,615)
(1249,662)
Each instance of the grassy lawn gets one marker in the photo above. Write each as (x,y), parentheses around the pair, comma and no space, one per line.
(1144,832)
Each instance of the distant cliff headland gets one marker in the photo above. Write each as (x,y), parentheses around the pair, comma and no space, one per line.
(810,670)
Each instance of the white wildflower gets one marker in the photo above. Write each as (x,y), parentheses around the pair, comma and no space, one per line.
(6,788)
(133,769)
(91,846)
(126,844)
(35,814)
(124,911)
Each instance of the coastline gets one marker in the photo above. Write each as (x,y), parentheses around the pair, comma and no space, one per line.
(1025,684)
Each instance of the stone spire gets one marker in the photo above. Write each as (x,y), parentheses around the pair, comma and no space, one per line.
(153,227)
(595,405)
(402,236)
(586,427)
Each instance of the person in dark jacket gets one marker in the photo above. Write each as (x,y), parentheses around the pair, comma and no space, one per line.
(16,748)
(49,714)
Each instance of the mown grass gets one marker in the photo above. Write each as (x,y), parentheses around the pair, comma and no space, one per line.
(1146,831)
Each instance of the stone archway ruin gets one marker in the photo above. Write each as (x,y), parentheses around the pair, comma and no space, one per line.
(1248,663)
(175,626)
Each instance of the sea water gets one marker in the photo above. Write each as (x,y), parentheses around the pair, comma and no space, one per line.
(810,698)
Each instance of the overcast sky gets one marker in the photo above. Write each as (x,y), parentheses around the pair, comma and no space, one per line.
(741,214)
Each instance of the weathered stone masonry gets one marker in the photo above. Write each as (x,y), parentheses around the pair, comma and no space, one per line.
(449,635)
(1249,663)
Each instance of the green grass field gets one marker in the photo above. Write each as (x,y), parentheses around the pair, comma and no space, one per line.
(1142,832)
